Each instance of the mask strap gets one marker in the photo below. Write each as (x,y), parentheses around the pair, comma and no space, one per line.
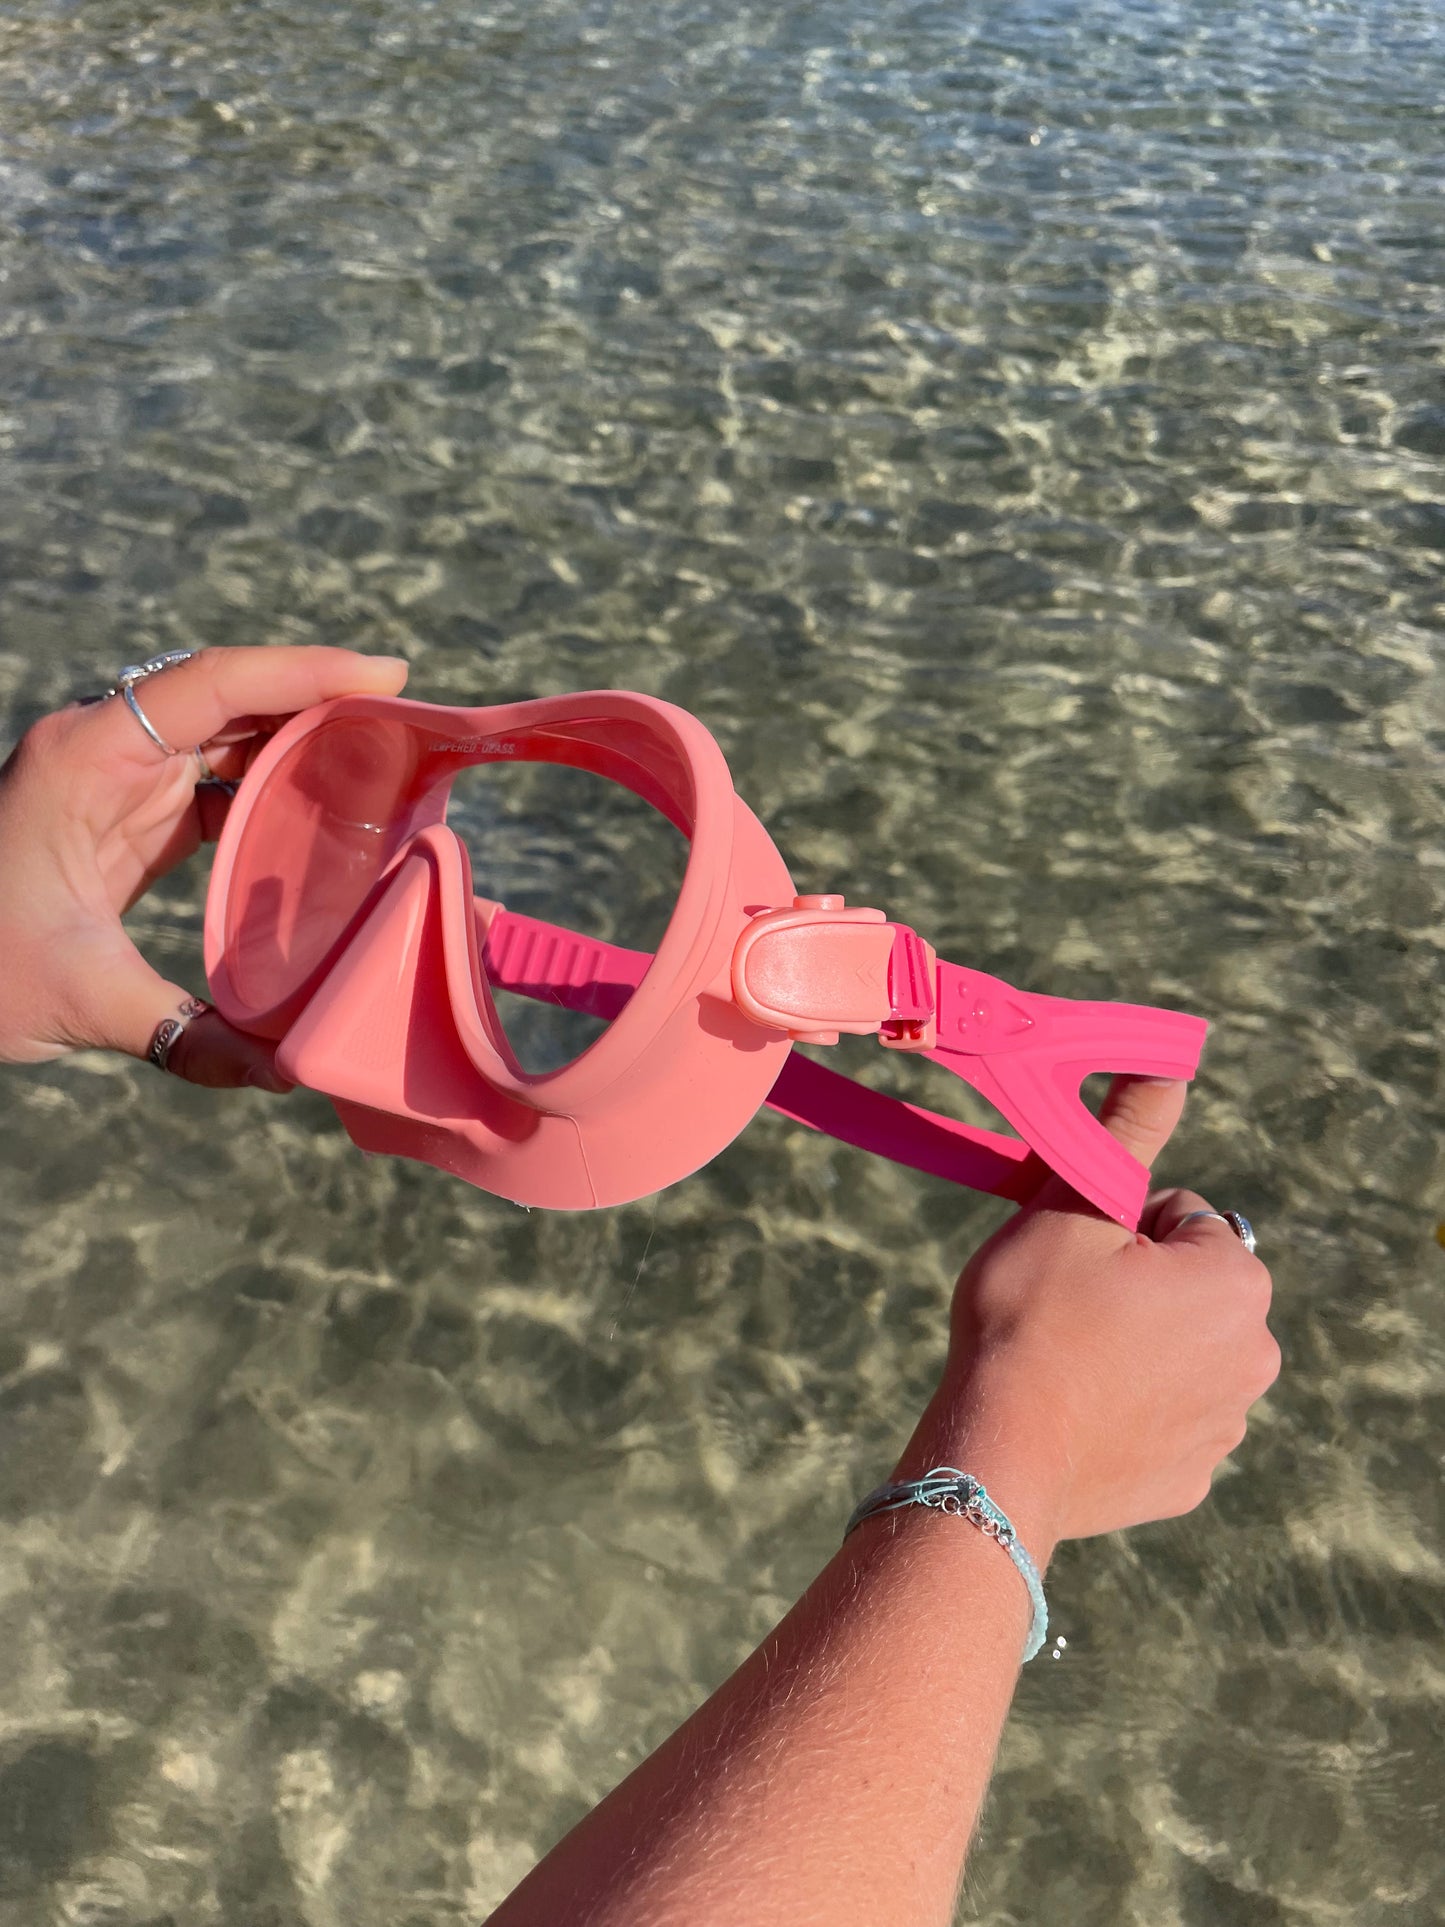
(1027,1054)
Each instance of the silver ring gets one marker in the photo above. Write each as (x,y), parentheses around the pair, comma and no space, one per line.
(138,671)
(170,1030)
(208,779)
(146,724)
(1237,1222)
(1242,1229)
(135,672)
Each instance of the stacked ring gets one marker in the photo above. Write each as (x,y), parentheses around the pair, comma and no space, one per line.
(170,1030)
(1236,1220)
(124,687)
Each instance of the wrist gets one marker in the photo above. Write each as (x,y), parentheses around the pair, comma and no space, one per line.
(1011,1444)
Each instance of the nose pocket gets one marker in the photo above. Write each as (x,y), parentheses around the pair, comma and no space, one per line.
(380,1031)
(380,1038)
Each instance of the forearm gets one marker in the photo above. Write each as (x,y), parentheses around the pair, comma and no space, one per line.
(837,1775)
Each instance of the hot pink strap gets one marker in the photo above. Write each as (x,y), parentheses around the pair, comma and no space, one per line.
(540,960)
(556,966)
(1027,1054)
(810,1093)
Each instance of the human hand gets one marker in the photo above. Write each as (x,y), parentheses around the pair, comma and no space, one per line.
(1103,1373)
(92,813)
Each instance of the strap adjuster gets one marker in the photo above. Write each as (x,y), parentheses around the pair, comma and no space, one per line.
(818,970)
(912,1020)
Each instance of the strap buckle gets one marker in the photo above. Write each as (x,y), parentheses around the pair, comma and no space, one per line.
(912,1020)
(819,970)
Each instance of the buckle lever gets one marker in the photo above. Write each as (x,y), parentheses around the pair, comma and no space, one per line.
(819,969)
(912,1020)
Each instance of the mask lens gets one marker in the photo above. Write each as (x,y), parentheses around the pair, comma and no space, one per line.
(582,854)
(331,816)
(556,843)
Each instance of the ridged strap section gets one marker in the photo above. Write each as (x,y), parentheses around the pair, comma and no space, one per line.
(556,966)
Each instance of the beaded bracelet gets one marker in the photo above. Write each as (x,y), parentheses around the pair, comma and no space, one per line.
(946,1489)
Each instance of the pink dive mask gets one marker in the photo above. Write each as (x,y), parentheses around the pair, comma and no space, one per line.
(341,923)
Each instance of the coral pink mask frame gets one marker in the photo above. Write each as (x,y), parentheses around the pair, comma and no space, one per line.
(341,922)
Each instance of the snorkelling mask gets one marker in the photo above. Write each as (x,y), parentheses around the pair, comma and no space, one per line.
(341,923)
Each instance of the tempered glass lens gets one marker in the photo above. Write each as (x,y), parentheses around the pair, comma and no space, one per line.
(556,843)
(326,826)
(580,853)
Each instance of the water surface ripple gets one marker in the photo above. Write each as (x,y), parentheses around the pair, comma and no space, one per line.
(1017,432)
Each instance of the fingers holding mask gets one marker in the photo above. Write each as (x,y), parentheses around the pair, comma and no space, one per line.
(114,1000)
(211,1052)
(222,698)
(107,796)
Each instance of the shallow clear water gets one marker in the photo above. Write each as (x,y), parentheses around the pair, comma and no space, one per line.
(1018,434)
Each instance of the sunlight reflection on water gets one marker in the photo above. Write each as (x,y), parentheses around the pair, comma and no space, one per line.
(1017,435)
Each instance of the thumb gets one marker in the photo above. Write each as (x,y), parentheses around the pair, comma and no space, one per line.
(1141,1112)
